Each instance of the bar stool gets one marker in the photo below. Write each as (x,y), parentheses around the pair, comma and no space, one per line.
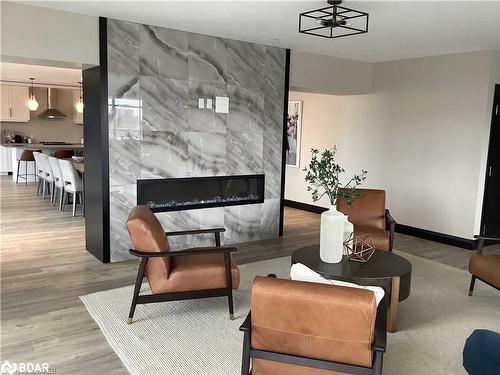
(73,184)
(26,156)
(48,179)
(63,154)
(39,171)
(58,184)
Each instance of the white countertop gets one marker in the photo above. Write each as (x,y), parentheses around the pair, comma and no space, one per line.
(40,146)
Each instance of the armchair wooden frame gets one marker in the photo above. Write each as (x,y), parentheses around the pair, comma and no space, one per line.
(378,347)
(177,296)
(390,227)
(480,246)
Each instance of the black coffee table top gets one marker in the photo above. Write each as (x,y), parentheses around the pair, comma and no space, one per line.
(382,266)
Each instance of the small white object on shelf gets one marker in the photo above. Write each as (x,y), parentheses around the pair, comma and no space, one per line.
(78,159)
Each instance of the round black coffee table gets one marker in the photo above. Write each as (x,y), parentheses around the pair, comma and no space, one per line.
(390,271)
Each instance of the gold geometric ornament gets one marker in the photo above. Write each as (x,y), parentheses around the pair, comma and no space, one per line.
(359,247)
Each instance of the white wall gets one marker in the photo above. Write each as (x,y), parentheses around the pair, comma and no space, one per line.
(497,66)
(329,75)
(34,33)
(438,115)
(422,135)
(330,120)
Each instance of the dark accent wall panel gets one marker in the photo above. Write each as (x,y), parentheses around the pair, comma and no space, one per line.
(96,153)
(283,146)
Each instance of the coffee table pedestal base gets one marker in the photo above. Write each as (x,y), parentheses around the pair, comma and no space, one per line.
(392,313)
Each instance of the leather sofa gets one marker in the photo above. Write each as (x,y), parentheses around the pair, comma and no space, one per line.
(484,267)
(176,275)
(304,328)
(368,215)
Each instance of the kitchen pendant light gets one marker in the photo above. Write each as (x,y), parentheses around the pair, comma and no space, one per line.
(32,103)
(79,105)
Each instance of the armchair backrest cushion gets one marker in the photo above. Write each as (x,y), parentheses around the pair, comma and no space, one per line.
(368,209)
(148,235)
(313,320)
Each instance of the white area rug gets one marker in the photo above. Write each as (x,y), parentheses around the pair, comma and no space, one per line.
(196,337)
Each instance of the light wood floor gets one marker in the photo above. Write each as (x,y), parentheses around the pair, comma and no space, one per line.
(45,268)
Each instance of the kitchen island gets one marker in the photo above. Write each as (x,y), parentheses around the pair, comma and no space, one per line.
(14,151)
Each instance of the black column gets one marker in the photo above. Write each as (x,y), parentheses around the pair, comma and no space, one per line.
(95,119)
(285,141)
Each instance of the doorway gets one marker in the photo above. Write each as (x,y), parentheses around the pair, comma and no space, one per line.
(490,223)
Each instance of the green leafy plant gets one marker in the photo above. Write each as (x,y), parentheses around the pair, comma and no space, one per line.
(323,176)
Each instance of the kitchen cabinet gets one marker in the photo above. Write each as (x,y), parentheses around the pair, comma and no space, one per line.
(78,117)
(5,160)
(14,103)
(4,103)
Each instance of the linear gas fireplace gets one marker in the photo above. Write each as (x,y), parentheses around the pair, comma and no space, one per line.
(175,194)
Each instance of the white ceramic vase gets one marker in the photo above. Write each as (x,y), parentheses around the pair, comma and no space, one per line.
(348,229)
(334,229)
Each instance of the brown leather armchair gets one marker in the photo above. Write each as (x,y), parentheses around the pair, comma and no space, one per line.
(302,328)
(484,267)
(178,275)
(369,215)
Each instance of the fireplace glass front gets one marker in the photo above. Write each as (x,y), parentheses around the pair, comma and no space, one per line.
(174,194)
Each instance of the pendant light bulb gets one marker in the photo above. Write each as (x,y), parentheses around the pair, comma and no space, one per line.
(32,103)
(79,105)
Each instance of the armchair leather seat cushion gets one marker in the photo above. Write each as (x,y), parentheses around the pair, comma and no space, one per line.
(486,267)
(313,320)
(379,236)
(263,367)
(197,272)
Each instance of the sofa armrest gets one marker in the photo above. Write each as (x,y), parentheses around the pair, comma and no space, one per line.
(191,251)
(380,339)
(195,231)
(246,326)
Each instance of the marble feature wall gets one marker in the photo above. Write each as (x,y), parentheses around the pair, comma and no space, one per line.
(156,130)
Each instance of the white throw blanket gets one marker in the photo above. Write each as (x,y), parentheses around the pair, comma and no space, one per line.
(301,272)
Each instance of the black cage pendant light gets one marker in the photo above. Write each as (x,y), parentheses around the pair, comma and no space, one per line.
(333,21)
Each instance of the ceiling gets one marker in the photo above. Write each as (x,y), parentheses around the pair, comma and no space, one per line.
(42,74)
(398,29)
